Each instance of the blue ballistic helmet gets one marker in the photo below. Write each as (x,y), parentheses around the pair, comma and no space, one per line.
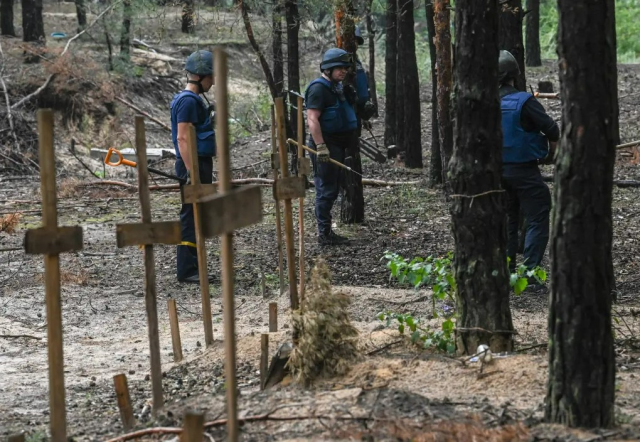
(336,57)
(200,63)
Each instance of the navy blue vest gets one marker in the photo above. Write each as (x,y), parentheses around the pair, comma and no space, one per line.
(518,145)
(206,136)
(338,118)
(362,84)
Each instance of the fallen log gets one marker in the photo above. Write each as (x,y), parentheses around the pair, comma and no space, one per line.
(143,113)
(619,183)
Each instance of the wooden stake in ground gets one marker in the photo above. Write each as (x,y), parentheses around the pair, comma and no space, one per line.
(273,317)
(124,401)
(51,240)
(146,234)
(264,359)
(192,428)
(304,170)
(286,188)
(175,331)
(203,271)
(275,165)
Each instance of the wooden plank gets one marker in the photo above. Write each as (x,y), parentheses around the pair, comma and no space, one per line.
(175,331)
(232,210)
(53,241)
(16,438)
(203,272)
(192,428)
(124,401)
(304,164)
(135,234)
(57,406)
(150,298)
(275,161)
(273,317)
(301,174)
(274,150)
(264,359)
(193,192)
(289,188)
(226,241)
(288,210)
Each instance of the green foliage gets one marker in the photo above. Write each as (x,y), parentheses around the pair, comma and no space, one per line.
(442,340)
(520,279)
(433,272)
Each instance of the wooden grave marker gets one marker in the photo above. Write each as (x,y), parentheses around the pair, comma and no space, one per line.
(304,170)
(51,240)
(147,234)
(176,342)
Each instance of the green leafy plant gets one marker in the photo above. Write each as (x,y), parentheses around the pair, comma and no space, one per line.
(442,340)
(519,280)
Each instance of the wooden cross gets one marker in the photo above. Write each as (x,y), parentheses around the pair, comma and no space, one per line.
(304,170)
(146,234)
(287,188)
(51,240)
(275,165)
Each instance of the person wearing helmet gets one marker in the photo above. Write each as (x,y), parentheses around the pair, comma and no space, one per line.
(529,139)
(188,108)
(332,129)
(366,108)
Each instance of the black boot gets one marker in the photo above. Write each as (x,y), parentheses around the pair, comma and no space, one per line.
(332,239)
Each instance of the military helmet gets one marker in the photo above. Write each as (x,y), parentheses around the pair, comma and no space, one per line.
(359,38)
(507,66)
(200,63)
(336,57)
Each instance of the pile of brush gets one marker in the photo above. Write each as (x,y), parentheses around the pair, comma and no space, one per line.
(327,341)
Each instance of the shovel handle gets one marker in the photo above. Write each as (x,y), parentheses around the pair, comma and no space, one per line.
(120,161)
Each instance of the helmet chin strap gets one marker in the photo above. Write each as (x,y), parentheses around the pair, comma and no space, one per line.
(200,89)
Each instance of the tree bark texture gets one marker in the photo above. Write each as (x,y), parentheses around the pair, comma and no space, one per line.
(532,34)
(125,36)
(477,208)
(390,73)
(510,35)
(435,168)
(399,104)
(278,58)
(6,18)
(352,203)
(293,62)
(81,12)
(32,24)
(442,20)
(187,17)
(371,34)
(244,10)
(411,125)
(581,355)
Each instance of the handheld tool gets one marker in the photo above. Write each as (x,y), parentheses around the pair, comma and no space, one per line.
(122,160)
(337,163)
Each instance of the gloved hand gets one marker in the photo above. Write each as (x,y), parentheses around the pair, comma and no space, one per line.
(323,153)
(350,94)
(368,110)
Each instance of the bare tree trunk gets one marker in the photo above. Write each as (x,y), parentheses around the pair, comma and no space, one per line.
(390,73)
(293,64)
(477,208)
(435,170)
(6,18)
(510,36)
(371,34)
(32,27)
(581,386)
(410,86)
(532,46)
(442,19)
(399,104)
(125,36)
(187,17)
(81,12)
(278,59)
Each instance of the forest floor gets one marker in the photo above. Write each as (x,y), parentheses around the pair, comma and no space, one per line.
(392,392)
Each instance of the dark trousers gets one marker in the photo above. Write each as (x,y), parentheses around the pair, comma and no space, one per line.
(527,192)
(326,177)
(188,255)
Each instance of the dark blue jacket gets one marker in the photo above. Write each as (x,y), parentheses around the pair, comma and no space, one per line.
(338,118)
(518,145)
(362,84)
(206,136)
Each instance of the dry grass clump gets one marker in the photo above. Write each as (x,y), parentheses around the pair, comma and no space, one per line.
(327,342)
(9,222)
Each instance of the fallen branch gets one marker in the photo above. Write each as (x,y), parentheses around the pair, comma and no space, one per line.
(630,144)
(20,336)
(11,249)
(111,6)
(618,183)
(34,93)
(143,113)
(72,149)
(8,101)
(384,347)
(146,432)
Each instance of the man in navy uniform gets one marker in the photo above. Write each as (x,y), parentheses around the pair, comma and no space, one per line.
(529,139)
(365,107)
(188,108)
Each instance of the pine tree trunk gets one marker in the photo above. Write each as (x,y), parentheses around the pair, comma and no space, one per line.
(477,208)
(125,36)
(390,73)
(532,45)
(352,204)
(442,20)
(81,12)
(510,36)
(410,86)
(278,59)
(187,17)
(6,18)
(581,354)
(32,26)
(293,60)
(371,33)
(435,170)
